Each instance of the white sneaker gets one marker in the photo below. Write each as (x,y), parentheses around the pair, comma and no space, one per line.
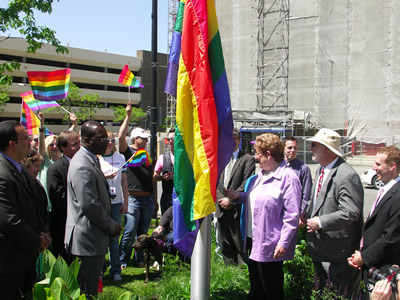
(117,277)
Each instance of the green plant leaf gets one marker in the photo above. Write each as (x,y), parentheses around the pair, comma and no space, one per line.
(48,262)
(61,270)
(59,290)
(125,296)
(74,267)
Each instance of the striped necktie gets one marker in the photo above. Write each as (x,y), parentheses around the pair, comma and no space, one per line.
(320,180)
(228,172)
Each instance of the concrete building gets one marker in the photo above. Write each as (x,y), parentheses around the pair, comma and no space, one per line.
(92,71)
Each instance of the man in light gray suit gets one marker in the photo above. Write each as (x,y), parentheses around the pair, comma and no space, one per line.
(335,217)
(89,224)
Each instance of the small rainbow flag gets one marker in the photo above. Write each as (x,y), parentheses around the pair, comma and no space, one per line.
(50,86)
(30,121)
(128,78)
(36,104)
(138,158)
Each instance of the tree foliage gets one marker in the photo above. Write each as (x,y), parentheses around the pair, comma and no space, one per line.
(138,115)
(84,107)
(20,15)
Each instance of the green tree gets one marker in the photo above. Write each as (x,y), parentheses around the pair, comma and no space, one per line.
(84,107)
(20,15)
(138,115)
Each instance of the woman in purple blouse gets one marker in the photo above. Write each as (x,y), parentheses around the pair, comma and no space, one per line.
(272,207)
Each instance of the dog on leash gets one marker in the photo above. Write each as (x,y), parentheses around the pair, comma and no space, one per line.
(153,250)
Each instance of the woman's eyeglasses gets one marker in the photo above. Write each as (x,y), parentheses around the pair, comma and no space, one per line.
(52,145)
(111,141)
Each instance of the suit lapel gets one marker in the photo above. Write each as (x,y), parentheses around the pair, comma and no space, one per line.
(385,198)
(235,166)
(19,176)
(324,188)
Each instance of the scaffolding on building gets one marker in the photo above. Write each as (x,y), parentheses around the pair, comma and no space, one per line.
(270,58)
(171,100)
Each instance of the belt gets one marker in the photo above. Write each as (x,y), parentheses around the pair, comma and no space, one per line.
(139,193)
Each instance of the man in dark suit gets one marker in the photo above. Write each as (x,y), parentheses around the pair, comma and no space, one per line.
(20,239)
(68,143)
(380,244)
(334,215)
(89,223)
(239,169)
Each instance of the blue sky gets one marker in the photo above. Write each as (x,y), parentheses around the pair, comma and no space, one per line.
(120,26)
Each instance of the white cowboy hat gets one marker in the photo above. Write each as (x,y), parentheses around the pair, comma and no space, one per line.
(328,138)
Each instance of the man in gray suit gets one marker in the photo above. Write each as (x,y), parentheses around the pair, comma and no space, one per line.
(89,224)
(239,169)
(334,214)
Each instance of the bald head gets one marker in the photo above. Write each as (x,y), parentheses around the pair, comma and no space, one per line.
(94,137)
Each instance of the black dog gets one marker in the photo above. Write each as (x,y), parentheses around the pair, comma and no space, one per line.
(153,249)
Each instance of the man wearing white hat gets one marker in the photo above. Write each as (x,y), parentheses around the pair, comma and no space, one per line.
(335,215)
(141,203)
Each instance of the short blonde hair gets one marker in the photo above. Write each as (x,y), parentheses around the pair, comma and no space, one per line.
(270,142)
(48,140)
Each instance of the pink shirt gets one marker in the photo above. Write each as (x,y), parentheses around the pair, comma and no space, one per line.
(160,162)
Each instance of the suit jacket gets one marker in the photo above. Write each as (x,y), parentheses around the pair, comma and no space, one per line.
(57,192)
(19,220)
(88,216)
(382,231)
(339,207)
(242,170)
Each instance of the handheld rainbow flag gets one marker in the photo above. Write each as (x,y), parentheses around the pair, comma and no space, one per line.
(174,53)
(138,158)
(128,78)
(50,86)
(30,121)
(34,104)
(204,124)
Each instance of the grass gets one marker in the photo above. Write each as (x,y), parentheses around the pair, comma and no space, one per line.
(227,282)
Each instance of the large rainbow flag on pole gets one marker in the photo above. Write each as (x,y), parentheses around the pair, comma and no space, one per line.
(30,121)
(128,78)
(34,104)
(174,52)
(50,86)
(204,124)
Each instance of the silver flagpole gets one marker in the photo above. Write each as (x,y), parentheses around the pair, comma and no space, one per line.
(200,262)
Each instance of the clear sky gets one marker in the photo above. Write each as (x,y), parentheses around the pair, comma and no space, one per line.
(118,26)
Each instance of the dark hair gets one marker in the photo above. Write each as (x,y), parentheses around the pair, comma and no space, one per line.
(172,130)
(289,138)
(64,137)
(88,129)
(8,133)
(236,133)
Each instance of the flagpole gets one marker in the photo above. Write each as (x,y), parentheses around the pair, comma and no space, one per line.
(129,94)
(65,109)
(200,263)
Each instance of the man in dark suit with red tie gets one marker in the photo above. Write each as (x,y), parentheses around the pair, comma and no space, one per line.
(380,244)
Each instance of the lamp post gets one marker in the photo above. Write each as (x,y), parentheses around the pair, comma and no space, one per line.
(154,65)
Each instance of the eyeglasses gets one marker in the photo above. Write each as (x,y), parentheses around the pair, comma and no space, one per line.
(25,138)
(314,144)
(52,145)
(111,141)
(170,139)
(144,139)
(258,154)
(101,139)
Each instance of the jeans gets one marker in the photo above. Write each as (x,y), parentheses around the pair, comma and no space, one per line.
(113,244)
(137,222)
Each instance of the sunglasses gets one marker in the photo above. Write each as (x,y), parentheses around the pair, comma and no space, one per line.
(314,144)
(52,145)
(111,140)
(144,139)
(170,139)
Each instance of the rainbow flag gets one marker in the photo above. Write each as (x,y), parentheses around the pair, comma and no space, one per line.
(128,78)
(138,158)
(204,124)
(34,104)
(50,86)
(30,121)
(174,53)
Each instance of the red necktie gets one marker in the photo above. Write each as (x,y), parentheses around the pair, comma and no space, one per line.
(321,177)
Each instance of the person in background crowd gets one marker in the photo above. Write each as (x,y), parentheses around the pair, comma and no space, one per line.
(68,142)
(334,215)
(272,203)
(89,223)
(20,236)
(164,171)
(141,203)
(32,163)
(240,168)
(111,163)
(302,171)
